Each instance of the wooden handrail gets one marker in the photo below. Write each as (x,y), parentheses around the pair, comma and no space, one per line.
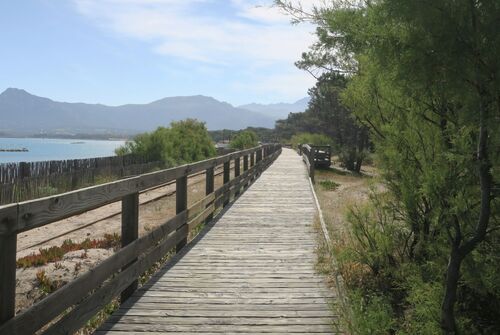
(118,274)
(308,153)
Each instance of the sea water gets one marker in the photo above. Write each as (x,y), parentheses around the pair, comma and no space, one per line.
(43,149)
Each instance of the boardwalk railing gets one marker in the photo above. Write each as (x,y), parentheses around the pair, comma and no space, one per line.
(76,302)
(315,156)
(308,156)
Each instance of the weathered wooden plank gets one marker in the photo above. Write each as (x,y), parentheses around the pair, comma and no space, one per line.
(8,245)
(218,328)
(201,217)
(201,205)
(181,200)
(130,232)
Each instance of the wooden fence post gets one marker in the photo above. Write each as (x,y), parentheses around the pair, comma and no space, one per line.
(312,164)
(227,169)
(245,163)
(252,159)
(245,167)
(181,203)
(209,188)
(130,233)
(237,173)
(8,248)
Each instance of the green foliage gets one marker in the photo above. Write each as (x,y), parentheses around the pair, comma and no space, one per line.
(265,135)
(244,140)
(184,142)
(327,114)
(312,139)
(372,315)
(329,185)
(45,284)
(425,79)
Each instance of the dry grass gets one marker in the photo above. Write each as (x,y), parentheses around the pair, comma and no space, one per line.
(339,190)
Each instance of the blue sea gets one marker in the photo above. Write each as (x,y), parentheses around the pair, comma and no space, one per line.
(42,149)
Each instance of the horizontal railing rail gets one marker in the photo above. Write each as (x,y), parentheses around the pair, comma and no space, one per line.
(76,302)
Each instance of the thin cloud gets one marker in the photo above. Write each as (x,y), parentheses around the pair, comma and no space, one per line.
(250,34)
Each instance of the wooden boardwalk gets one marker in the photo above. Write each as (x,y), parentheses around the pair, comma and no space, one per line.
(251,272)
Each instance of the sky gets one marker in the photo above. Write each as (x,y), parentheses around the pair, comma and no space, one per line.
(136,51)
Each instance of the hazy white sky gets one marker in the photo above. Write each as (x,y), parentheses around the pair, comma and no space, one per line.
(136,51)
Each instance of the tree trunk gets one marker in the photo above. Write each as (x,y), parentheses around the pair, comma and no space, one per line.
(450,297)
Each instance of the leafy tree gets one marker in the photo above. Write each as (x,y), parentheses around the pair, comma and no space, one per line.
(310,138)
(184,142)
(244,140)
(425,78)
(326,114)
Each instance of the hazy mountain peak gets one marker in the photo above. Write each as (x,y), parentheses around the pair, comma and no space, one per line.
(12,92)
(278,110)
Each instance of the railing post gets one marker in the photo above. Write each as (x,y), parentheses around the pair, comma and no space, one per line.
(252,159)
(181,203)
(245,163)
(227,169)
(312,163)
(237,173)
(209,188)
(130,232)
(8,248)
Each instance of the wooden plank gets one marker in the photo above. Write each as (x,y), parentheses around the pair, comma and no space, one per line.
(181,200)
(8,245)
(201,217)
(209,188)
(130,233)
(8,219)
(226,178)
(195,209)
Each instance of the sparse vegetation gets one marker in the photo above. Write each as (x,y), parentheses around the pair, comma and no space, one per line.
(55,254)
(45,284)
(329,185)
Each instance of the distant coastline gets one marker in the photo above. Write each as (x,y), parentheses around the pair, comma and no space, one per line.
(14,150)
(76,137)
(31,149)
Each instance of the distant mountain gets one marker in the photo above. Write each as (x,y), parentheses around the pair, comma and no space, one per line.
(22,112)
(279,110)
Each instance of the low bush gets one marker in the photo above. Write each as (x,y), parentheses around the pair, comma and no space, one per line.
(55,254)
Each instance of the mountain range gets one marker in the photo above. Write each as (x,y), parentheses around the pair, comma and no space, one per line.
(25,113)
(279,110)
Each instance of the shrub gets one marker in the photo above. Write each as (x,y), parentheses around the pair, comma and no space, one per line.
(184,142)
(329,185)
(244,140)
(309,138)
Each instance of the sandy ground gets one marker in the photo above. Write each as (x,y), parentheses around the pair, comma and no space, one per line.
(94,225)
(353,190)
